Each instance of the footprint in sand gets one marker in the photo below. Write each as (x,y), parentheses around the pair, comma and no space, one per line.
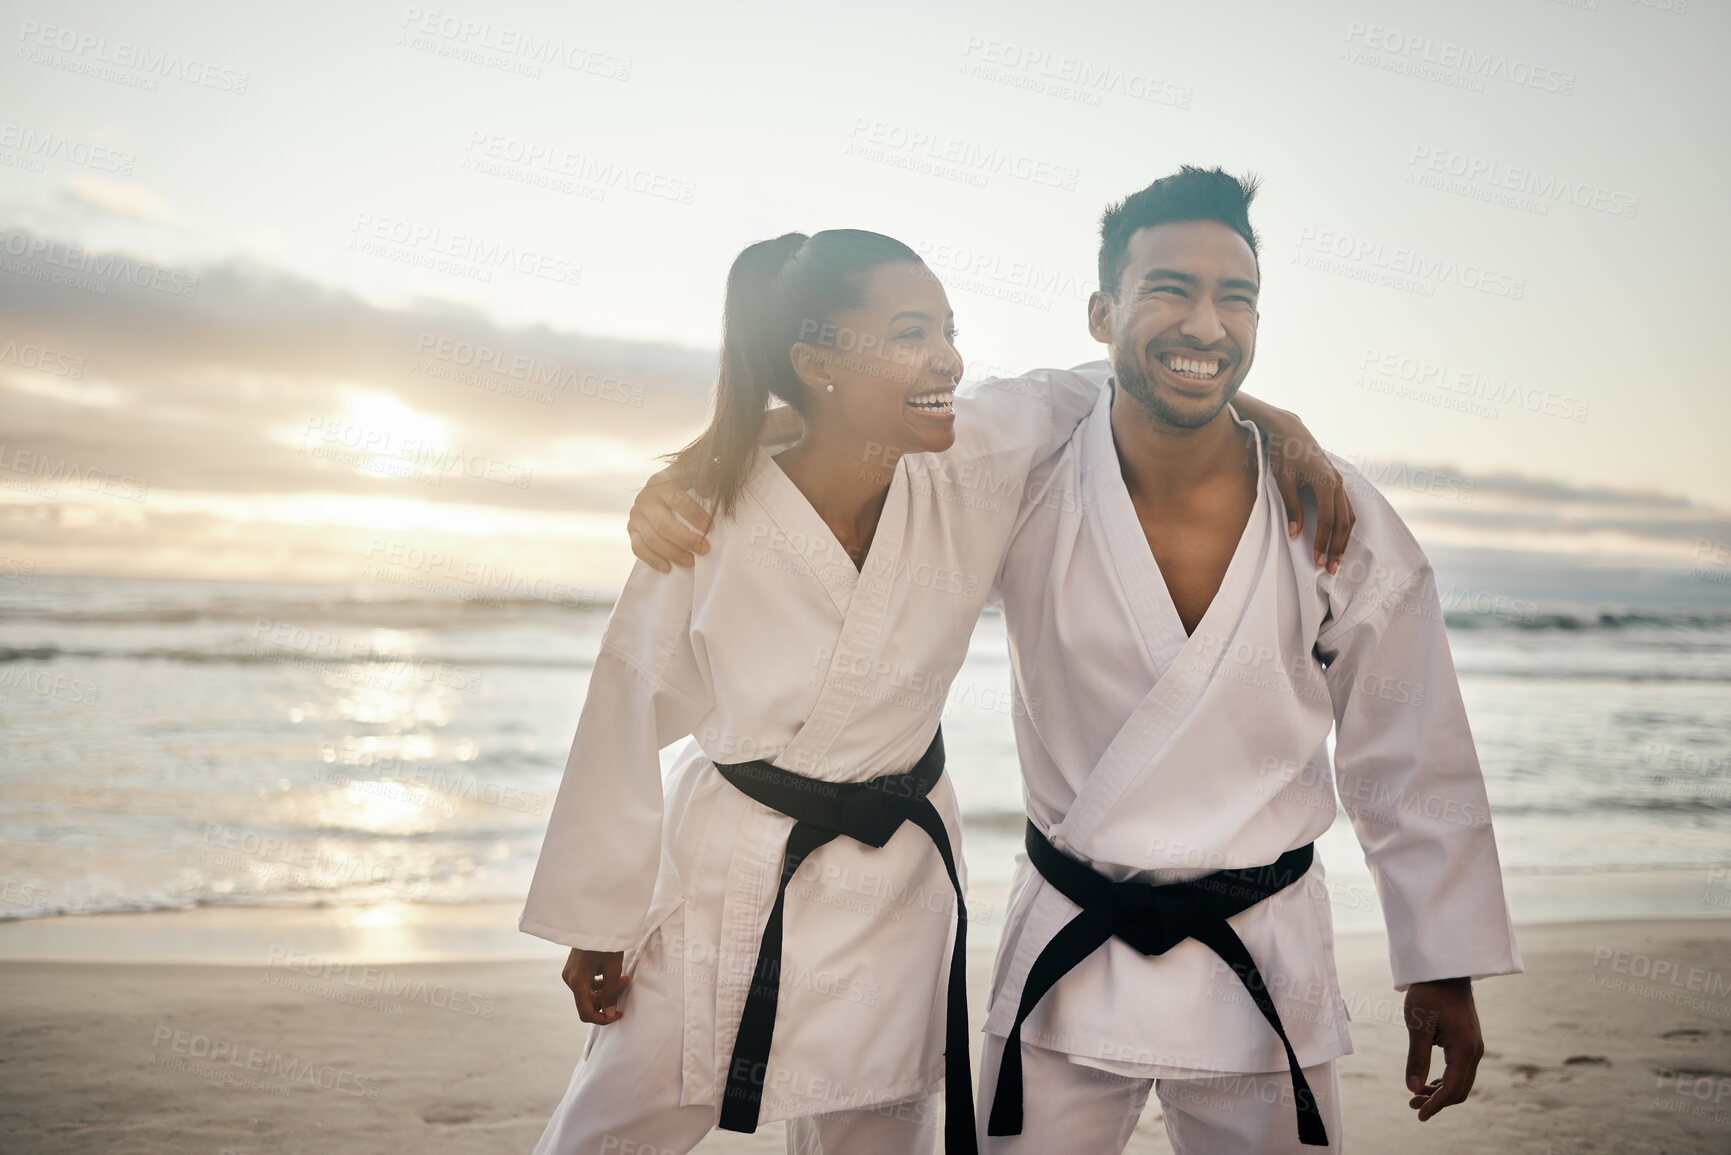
(451,1114)
(1529,1073)
(1686,1033)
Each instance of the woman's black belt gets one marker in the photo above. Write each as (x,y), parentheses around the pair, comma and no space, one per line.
(1153,919)
(868,812)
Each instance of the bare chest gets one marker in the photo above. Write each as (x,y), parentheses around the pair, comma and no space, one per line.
(1193,545)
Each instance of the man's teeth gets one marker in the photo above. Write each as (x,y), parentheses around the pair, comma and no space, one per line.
(942,401)
(1185,367)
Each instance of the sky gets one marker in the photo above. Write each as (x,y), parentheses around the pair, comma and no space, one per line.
(336,291)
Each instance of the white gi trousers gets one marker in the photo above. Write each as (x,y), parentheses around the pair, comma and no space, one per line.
(624,1094)
(1082,1110)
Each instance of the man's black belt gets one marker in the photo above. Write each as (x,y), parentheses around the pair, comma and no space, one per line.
(1153,919)
(868,812)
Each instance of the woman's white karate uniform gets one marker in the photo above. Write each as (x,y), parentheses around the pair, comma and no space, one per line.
(774,646)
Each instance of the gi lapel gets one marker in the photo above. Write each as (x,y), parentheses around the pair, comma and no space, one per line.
(856,647)
(1145,733)
(755,868)
(803,536)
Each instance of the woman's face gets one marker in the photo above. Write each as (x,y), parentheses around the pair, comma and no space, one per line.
(892,362)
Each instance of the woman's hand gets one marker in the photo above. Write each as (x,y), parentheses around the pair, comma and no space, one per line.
(1299,463)
(594,978)
(658,536)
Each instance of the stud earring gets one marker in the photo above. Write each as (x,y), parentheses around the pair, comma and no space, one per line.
(830,388)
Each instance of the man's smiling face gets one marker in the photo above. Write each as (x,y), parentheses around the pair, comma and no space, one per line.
(1182,329)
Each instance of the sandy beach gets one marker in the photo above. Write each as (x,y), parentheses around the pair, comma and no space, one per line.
(1617,1039)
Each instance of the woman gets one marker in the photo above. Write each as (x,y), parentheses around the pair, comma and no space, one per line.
(781,911)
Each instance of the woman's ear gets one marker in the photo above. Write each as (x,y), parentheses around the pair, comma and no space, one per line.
(814,368)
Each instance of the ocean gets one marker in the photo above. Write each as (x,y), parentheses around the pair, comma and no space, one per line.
(172,744)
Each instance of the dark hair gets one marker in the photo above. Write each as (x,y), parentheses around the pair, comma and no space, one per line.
(1190,194)
(779,292)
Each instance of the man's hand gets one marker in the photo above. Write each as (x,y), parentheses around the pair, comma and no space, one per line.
(1441,1014)
(594,978)
(658,536)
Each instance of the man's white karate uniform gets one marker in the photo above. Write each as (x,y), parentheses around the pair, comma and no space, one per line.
(774,647)
(1158,757)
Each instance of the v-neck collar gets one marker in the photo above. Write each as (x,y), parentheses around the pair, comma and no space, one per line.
(811,538)
(1150,600)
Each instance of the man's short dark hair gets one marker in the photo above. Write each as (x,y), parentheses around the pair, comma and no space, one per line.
(1190,194)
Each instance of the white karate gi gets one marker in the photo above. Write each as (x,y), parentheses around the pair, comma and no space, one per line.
(1159,757)
(773,646)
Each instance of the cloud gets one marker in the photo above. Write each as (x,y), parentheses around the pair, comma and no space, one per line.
(1442,502)
(131,202)
(1515,486)
(251,385)
(239,419)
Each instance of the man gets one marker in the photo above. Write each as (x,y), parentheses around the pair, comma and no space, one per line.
(1190,662)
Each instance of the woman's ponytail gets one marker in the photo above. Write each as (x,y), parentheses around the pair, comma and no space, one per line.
(775,291)
(724,453)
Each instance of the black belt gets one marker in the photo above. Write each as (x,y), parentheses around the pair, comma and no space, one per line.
(1153,919)
(868,812)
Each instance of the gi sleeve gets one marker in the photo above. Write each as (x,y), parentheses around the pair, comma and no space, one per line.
(596,875)
(1410,780)
(1031,416)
